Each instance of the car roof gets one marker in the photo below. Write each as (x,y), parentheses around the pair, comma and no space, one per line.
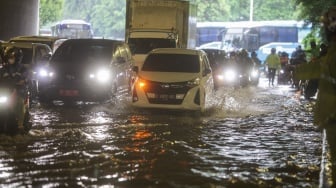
(176,51)
(34,38)
(274,44)
(91,40)
(23,44)
(209,50)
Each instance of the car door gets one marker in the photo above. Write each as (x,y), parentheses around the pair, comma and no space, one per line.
(207,79)
(41,56)
(121,66)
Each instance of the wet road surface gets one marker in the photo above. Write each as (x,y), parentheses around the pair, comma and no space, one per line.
(250,137)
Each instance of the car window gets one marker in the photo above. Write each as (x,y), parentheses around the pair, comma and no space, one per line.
(172,63)
(41,53)
(84,53)
(27,55)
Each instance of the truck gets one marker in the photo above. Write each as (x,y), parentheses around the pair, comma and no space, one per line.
(159,24)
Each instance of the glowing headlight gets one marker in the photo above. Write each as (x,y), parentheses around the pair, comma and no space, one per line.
(45,73)
(254,73)
(282,71)
(3,99)
(229,75)
(102,75)
(193,83)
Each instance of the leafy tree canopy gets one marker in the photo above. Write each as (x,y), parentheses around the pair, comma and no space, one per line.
(108,16)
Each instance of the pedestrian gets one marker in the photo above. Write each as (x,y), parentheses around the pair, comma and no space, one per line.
(325,71)
(273,63)
(314,51)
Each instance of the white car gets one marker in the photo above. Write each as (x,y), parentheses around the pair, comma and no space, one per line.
(211,45)
(173,78)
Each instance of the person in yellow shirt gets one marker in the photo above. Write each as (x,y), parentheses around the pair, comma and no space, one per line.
(273,64)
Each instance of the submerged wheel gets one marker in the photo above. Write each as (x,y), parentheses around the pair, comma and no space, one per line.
(26,122)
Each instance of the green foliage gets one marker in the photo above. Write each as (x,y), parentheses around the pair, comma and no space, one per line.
(274,10)
(108,16)
(50,11)
(312,11)
(217,10)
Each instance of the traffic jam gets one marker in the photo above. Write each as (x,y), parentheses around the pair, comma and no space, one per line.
(154,110)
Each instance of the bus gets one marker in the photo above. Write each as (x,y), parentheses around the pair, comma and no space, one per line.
(252,35)
(72,29)
(210,32)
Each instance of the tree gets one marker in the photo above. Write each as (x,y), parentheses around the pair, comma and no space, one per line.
(79,9)
(274,10)
(108,18)
(217,10)
(311,11)
(50,11)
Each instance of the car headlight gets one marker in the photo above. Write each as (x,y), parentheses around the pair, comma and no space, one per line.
(45,73)
(102,75)
(193,83)
(3,99)
(229,75)
(254,73)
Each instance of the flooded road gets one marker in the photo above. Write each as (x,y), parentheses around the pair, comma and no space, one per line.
(250,137)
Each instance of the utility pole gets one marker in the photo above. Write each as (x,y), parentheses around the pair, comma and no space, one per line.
(251,10)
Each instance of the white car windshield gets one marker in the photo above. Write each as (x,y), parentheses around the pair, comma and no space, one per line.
(172,63)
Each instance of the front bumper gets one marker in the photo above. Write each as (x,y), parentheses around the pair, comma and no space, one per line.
(179,98)
(77,90)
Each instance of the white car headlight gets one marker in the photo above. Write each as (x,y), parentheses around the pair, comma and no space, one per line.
(45,73)
(193,83)
(3,99)
(102,75)
(254,73)
(230,75)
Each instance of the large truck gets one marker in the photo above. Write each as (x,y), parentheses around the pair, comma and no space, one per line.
(159,24)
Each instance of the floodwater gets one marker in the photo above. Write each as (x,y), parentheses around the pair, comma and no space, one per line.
(250,137)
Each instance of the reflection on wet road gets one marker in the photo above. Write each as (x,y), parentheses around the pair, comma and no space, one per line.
(250,137)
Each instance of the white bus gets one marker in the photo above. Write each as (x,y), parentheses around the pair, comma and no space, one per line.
(72,29)
(210,32)
(252,35)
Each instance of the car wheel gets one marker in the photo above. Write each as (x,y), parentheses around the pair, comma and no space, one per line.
(44,99)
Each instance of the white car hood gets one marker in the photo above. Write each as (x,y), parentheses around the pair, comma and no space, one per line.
(167,76)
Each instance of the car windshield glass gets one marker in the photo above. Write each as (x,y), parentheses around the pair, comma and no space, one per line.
(78,53)
(145,45)
(27,55)
(172,63)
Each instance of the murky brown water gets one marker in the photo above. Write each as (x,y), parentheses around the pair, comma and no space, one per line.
(253,137)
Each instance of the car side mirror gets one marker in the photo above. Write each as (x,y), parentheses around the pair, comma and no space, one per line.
(206,72)
(135,69)
(47,57)
(121,60)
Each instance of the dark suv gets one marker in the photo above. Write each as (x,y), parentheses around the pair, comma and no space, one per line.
(86,70)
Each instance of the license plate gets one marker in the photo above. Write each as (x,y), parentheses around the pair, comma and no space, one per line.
(68,93)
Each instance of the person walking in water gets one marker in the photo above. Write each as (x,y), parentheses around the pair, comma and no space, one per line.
(273,63)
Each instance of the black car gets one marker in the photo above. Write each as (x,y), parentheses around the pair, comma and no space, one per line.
(86,70)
